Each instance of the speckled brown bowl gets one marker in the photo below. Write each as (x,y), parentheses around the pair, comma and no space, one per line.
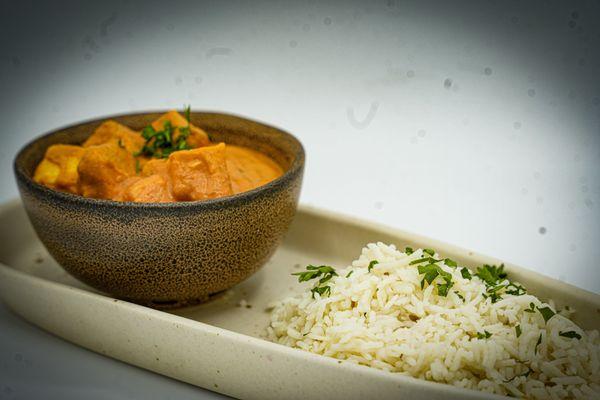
(169,254)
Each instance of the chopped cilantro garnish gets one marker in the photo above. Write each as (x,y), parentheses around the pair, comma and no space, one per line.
(349,273)
(408,250)
(492,292)
(526,374)
(431,260)
(531,308)
(372,264)
(422,260)
(497,283)
(160,144)
(515,289)
(518,330)
(324,272)
(450,263)
(484,335)
(460,296)
(466,273)
(312,272)
(432,271)
(187,113)
(570,335)
(546,312)
(431,252)
(443,288)
(491,274)
(321,290)
(539,341)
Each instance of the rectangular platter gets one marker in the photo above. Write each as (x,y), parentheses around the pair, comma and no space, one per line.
(219,345)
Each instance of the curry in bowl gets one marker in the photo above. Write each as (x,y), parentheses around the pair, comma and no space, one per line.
(157,253)
(170,160)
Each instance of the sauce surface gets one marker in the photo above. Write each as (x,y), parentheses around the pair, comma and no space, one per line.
(171,160)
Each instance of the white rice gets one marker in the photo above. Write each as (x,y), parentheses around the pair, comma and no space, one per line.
(384,319)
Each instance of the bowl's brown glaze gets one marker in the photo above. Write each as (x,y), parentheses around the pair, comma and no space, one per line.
(169,254)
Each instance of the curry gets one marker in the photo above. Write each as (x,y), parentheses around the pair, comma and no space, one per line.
(170,160)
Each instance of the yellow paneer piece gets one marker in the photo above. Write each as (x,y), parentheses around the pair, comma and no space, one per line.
(46,173)
(197,138)
(113,131)
(150,189)
(59,168)
(155,166)
(102,168)
(199,174)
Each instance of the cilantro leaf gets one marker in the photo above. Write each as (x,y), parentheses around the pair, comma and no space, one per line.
(570,335)
(421,261)
(450,263)
(484,335)
(546,312)
(526,374)
(491,274)
(539,341)
(160,144)
(515,289)
(313,271)
(531,308)
(322,290)
(466,273)
(323,272)
(443,288)
(187,113)
(372,264)
(492,292)
(432,271)
(431,252)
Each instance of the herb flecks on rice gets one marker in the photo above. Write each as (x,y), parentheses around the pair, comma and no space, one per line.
(416,313)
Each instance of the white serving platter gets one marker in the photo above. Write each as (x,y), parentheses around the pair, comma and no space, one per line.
(219,345)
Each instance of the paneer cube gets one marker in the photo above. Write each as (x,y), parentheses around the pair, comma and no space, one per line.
(197,137)
(150,189)
(113,131)
(47,173)
(102,168)
(155,166)
(58,169)
(199,174)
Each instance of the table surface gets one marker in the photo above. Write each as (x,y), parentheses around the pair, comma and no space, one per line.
(476,124)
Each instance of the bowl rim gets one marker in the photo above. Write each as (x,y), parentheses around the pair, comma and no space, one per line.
(295,168)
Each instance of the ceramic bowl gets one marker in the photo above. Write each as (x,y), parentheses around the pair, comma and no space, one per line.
(165,254)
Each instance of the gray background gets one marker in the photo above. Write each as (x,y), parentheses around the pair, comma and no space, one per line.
(477,123)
